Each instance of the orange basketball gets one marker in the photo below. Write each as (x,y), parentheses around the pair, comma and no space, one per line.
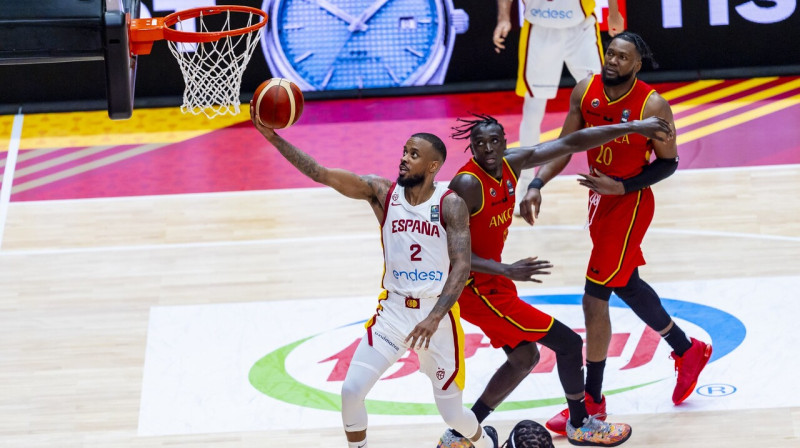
(278,103)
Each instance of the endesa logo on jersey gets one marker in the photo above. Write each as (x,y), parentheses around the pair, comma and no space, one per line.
(551,13)
(309,372)
(418,276)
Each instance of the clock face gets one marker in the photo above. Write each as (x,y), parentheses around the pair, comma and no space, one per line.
(354,44)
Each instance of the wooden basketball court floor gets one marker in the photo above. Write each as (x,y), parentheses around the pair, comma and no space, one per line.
(111,220)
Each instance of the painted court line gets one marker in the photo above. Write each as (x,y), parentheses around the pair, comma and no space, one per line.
(719,94)
(736,104)
(8,172)
(362,236)
(71,157)
(87,166)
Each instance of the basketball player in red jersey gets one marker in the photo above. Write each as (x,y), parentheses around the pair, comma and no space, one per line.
(426,240)
(620,210)
(488,185)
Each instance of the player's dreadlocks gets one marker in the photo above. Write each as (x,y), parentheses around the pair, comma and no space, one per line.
(465,131)
(644,50)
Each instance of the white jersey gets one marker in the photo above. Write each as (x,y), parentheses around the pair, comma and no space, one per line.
(558,13)
(416,260)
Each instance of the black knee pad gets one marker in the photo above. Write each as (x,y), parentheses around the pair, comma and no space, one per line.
(644,301)
(634,286)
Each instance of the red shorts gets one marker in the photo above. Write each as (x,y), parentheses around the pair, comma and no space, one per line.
(617,230)
(491,302)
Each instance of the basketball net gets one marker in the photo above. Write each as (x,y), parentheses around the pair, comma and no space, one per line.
(213,70)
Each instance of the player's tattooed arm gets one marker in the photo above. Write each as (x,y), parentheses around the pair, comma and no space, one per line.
(380,187)
(456,217)
(370,188)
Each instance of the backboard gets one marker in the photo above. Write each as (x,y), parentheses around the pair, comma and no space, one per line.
(67,31)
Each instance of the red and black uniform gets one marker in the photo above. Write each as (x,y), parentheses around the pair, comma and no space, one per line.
(617,223)
(491,301)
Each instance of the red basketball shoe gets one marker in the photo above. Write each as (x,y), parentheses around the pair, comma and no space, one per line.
(558,424)
(688,368)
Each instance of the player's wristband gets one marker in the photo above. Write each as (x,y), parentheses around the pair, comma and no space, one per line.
(536,183)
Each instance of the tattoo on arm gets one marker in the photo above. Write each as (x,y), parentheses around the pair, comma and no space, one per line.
(459,249)
(302,161)
(379,185)
(345,182)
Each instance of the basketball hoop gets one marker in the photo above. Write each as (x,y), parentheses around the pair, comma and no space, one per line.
(213,59)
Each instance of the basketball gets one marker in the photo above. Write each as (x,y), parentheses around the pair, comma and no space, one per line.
(278,103)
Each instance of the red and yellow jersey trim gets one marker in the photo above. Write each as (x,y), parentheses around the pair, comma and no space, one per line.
(485,300)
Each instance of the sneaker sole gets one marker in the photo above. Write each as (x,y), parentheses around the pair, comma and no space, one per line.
(561,433)
(617,443)
(706,357)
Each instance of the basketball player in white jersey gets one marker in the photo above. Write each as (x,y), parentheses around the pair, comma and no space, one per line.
(426,241)
(555,32)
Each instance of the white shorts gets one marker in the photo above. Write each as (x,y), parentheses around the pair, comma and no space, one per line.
(396,317)
(543,52)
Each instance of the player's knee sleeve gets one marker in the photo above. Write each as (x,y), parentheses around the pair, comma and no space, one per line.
(601,292)
(532,115)
(452,410)
(366,367)
(568,347)
(644,301)
(354,391)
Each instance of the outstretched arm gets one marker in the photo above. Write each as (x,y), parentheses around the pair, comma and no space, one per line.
(573,123)
(662,167)
(456,216)
(655,128)
(532,201)
(370,188)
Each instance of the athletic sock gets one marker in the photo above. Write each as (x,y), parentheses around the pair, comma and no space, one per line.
(577,412)
(361,444)
(484,441)
(481,411)
(594,379)
(677,339)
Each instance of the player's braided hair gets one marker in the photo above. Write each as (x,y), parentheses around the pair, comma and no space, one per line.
(642,47)
(464,131)
(529,434)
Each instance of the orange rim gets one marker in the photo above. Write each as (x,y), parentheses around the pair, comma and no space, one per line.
(197,36)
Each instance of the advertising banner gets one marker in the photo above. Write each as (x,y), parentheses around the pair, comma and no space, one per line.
(367,47)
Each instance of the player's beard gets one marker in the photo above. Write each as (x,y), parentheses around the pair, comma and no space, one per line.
(410,181)
(617,80)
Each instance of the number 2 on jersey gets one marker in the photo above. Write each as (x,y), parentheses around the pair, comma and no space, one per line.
(415,250)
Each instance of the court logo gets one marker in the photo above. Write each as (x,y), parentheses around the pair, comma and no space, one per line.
(309,372)
(716,390)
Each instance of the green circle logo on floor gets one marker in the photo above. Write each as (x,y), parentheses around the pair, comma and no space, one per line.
(270,376)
